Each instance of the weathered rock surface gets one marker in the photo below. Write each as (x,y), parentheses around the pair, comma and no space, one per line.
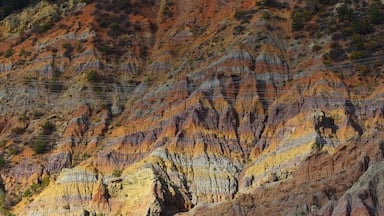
(202,107)
(366,196)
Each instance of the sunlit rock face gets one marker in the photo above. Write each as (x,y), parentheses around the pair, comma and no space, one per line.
(190,108)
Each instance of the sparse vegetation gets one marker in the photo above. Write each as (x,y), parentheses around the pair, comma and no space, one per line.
(93,77)
(67,49)
(244,16)
(375,15)
(44,182)
(10,6)
(337,53)
(356,55)
(114,29)
(8,53)
(53,85)
(3,142)
(4,204)
(345,13)
(13,150)
(117,173)
(238,30)
(24,52)
(316,48)
(23,117)
(37,114)
(40,185)
(27,193)
(270,3)
(48,128)
(260,40)
(2,161)
(18,130)
(40,144)
(300,18)
(44,27)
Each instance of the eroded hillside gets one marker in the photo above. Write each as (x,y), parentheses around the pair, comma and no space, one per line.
(192,107)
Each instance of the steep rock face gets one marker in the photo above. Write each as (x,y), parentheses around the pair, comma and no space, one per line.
(316,187)
(6,67)
(29,18)
(73,189)
(365,197)
(58,161)
(300,122)
(83,191)
(206,105)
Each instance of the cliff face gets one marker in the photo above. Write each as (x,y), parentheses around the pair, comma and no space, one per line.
(191,107)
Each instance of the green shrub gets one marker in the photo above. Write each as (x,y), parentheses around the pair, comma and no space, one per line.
(345,12)
(45,27)
(2,161)
(35,187)
(23,52)
(364,70)
(337,54)
(93,77)
(79,47)
(3,142)
(356,54)
(48,128)
(375,15)
(268,3)
(361,27)
(86,1)
(37,114)
(44,182)
(117,173)
(300,18)
(316,48)
(53,85)
(39,144)
(18,130)
(13,151)
(238,30)
(8,53)
(68,49)
(357,41)
(23,117)
(244,16)
(297,21)
(266,15)
(27,193)
(114,29)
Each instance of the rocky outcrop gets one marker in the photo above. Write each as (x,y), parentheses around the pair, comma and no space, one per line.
(129,63)
(236,62)
(316,187)
(3,123)
(29,18)
(162,62)
(72,190)
(100,198)
(215,108)
(365,197)
(81,190)
(58,161)
(292,139)
(6,67)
